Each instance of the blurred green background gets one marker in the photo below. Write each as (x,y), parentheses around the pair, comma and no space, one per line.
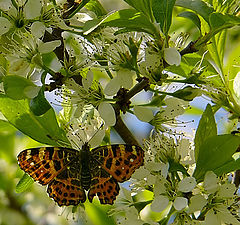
(34,206)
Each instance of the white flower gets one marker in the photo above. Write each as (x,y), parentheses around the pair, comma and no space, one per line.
(160,186)
(186,152)
(123,79)
(175,107)
(5,25)
(172,56)
(236,88)
(87,82)
(5,5)
(142,113)
(220,215)
(159,203)
(187,184)
(48,46)
(112,87)
(197,202)
(38,29)
(180,203)
(132,217)
(141,173)
(32,9)
(211,182)
(107,113)
(226,190)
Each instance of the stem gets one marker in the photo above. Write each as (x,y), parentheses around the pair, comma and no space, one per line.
(137,88)
(120,126)
(124,132)
(189,49)
(109,73)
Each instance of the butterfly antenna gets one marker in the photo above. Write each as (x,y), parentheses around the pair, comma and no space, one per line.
(96,132)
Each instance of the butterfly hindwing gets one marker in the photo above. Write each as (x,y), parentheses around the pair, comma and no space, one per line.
(120,161)
(66,188)
(44,164)
(64,193)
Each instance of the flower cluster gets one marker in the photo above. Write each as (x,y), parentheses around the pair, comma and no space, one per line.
(175,194)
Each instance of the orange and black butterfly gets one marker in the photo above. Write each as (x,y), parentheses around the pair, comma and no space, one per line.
(69,172)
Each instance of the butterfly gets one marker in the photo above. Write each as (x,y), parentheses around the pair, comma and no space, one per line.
(69,172)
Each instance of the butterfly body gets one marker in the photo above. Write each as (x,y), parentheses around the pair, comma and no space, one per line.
(69,172)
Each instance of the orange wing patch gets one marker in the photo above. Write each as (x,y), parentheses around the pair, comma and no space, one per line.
(44,164)
(120,161)
(64,193)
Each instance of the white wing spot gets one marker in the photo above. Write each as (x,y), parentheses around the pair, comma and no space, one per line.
(41,171)
(123,168)
(32,164)
(131,160)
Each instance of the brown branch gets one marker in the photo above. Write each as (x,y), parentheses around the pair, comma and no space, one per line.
(124,132)
(120,126)
(189,49)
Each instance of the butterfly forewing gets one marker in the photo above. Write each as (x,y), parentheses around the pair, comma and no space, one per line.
(44,164)
(120,161)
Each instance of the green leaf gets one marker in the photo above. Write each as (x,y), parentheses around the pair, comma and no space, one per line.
(132,20)
(3,67)
(43,128)
(7,140)
(206,128)
(96,7)
(198,6)
(25,182)
(144,6)
(157,101)
(39,105)
(15,86)
(162,11)
(188,93)
(97,214)
(215,154)
(192,16)
(220,21)
(196,69)
(232,66)
(176,166)
(216,33)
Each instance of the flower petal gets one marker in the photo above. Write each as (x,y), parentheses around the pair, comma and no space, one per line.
(112,87)
(187,184)
(211,182)
(125,78)
(96,140)
(48,46)
(38,29)
(4,25)
(159,203)
(87,82)
(172,56)
(180,203)
(227,190)
(107,112)
(142,113)
(32,9)
(197,202)
(140,173)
